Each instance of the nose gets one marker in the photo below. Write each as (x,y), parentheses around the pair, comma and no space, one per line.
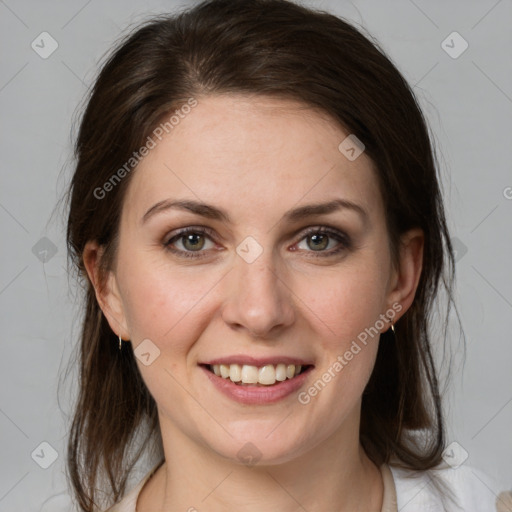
(259,300)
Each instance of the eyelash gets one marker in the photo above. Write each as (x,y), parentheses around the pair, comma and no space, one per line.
(342,238)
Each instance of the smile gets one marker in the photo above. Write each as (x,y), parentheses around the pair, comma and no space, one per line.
(261,383)
(267,375)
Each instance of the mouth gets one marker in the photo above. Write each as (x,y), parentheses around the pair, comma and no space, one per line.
(267,375)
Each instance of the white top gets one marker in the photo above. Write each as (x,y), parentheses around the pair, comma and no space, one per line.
(404,490)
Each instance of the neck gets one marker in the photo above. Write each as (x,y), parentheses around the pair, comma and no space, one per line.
(336,476)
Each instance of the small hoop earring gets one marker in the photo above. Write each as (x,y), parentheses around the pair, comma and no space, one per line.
(392,327)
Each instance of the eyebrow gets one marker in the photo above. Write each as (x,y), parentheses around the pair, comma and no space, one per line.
(214,213)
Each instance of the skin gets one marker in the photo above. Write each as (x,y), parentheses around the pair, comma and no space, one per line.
(256,158)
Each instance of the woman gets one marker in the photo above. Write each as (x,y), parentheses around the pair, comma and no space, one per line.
(257,215)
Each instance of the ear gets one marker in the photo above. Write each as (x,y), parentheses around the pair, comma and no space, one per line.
(106,289)
(406,277)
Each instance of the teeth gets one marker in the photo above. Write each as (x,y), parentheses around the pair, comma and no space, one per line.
(249,374)
(235,372)
(266,375)
(281,372)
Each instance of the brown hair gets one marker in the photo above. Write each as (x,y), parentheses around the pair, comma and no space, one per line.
(267,47)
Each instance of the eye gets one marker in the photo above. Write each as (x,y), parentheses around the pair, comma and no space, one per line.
(318,239)
(192,240)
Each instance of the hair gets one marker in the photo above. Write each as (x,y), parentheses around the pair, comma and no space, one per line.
(270,48)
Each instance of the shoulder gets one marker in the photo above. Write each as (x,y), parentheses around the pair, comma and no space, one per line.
(129,501)
(462,489)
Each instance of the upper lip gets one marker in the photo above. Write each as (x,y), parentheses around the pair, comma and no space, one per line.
(257,361)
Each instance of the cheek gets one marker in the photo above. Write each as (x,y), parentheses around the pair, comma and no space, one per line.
(167,307)
(164,304)
(346,302)
(345,307)
(344,320)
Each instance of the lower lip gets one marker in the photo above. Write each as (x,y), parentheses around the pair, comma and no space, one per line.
(257,395)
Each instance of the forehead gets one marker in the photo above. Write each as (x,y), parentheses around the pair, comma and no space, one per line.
(252,154)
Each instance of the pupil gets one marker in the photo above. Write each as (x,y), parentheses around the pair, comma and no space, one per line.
(192,239)
(319,244)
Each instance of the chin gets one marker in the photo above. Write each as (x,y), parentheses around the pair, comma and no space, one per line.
(255,447)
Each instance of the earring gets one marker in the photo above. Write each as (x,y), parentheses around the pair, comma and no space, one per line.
(120,342)
(392,327)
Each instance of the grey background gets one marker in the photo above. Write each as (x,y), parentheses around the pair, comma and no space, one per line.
(468,102)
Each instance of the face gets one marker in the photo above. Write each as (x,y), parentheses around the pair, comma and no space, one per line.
(266,283)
